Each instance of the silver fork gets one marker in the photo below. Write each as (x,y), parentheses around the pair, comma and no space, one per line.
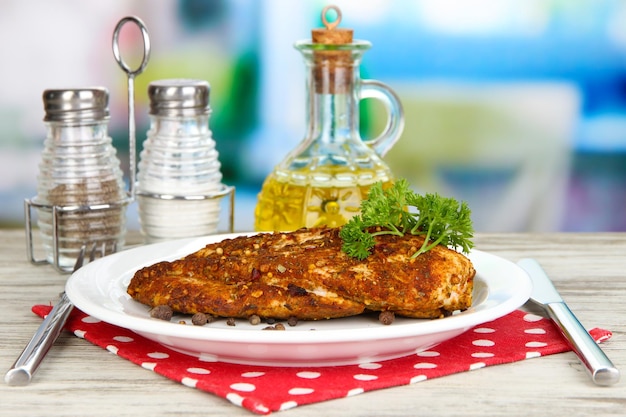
(35,351)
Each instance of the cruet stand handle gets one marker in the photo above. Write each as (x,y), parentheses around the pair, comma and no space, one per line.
(131,74)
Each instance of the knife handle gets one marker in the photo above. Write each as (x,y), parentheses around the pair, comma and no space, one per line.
(597,364)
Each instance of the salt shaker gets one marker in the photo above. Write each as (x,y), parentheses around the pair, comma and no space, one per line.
(179,182)
(81,199)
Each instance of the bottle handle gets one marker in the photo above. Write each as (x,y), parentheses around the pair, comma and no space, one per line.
(395,115)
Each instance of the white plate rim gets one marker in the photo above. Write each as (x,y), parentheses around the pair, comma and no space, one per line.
(503,298)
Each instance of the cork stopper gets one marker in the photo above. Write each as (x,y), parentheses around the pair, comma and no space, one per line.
(333,69)
(330,34)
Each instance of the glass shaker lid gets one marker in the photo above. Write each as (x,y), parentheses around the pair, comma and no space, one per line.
(80,105)
(179,97)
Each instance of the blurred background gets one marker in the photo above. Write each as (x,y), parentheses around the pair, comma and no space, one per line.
(516,106)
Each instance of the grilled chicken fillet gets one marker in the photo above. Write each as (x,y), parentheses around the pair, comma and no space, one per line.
(305,274)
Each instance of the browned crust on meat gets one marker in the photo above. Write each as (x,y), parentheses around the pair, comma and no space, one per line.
(305,274)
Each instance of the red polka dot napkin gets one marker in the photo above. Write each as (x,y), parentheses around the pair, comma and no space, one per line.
(263,389)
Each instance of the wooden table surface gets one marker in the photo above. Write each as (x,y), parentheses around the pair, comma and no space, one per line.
(78,378)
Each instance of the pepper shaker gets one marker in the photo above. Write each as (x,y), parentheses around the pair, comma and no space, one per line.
(81,197)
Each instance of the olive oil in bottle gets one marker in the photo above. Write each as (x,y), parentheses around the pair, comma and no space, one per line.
(287,204)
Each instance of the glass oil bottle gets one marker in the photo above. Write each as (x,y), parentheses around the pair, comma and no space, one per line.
(323,180)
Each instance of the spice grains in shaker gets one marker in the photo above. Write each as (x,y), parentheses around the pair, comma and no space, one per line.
(79,176)
(178,169)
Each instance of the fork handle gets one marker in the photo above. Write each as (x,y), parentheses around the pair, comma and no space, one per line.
(27,363)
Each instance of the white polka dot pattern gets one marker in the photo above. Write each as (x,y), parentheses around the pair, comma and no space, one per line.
(483,330)
(199,371)
(428,354)
(90,320)
(287,405)
(235,398)
(365,377)
(263,390)
(477,365)
(483,342)
(242,386)
(370,366)
(252,374)
(418,378)
(158,355)
(483,355)
(308,375)
(531,318)
(190,382)
(301,391)
(123,339)
(535,344)
(425,365)
(149,365)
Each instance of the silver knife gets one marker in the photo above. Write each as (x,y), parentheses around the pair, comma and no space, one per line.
(597,364)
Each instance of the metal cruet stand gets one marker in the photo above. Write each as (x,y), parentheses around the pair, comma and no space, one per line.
(57,211)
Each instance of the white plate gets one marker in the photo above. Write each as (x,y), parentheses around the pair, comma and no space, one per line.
(99,289)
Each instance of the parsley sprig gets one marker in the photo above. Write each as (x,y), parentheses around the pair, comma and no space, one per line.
(398,210)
